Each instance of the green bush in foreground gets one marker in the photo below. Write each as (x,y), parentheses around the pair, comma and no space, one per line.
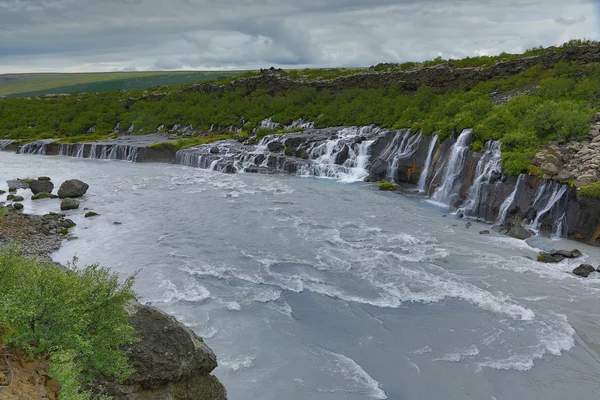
(76,319)
(387,186)
(592,190)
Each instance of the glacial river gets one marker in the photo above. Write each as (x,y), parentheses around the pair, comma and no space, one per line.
(310,288)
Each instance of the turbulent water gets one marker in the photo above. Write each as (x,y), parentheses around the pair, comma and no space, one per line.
(316,289)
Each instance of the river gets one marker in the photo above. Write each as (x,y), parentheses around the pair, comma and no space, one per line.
(310,288)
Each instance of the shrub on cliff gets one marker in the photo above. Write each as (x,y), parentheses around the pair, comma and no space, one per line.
(76,317)
(592,190)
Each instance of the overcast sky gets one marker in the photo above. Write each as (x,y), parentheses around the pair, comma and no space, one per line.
(111,35)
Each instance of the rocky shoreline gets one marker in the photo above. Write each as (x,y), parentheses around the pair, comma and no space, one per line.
(171,361)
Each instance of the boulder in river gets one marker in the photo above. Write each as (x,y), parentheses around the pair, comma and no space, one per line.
(518,232)
(170,362)
(41,186)
(556,256)
(17,184)
(17,206)
(485,232)
(90,214)
(584,270)
(72,188)
(69,204)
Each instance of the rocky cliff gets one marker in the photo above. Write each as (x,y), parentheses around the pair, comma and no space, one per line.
(441,78)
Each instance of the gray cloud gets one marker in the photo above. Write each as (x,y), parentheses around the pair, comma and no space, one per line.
(570,20)
(107,35)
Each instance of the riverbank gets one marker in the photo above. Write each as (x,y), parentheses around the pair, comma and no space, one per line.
(449,172)
(169,360)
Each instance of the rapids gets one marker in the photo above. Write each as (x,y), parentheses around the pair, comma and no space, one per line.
(317,289)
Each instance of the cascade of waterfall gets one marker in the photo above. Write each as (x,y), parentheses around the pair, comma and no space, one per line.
(508,202)
(557,192)
(327,161)
(403,146)
(425,172)
(453,168)
(37,147)
(5,143)
(80,148)
(488,166)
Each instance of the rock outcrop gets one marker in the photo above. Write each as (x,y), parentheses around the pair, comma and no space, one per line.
(170,361)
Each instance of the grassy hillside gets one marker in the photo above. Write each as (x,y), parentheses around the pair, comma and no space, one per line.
(23,85)
(539,104)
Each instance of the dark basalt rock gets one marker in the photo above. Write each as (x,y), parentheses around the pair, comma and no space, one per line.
(69,204)
(72,188)
(584,270)
(275,147)
(17,206)
(214,150)
(518,232)
(170,362)
(41,186)
(342,155)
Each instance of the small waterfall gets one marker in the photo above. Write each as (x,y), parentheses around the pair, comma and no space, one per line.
(80,148)
(403,146)
(509,202)
(557,192)
(37,147)
(5,143)
(559,229)
(327,157)
(425,172)
(488,166)
(453,168)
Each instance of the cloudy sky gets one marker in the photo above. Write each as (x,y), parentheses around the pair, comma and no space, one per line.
(111,35)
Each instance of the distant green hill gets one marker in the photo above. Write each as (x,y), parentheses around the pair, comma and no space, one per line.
(25,85)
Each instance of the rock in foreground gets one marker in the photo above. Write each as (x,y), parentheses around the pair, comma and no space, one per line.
(556,256)
(72,188)
(170,361)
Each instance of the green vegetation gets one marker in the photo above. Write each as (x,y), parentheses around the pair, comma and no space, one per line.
(24,85)
(181,144)
(76,318)
(387,186)
(482,61)
(560,104)
(592,190)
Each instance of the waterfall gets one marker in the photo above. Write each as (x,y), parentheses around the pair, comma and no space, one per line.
(5,143)
(326,158)
(80,148)
(489,165)
(508,202)
(37,147)
(558,191)
(403,146)
(425,172)
(453,168)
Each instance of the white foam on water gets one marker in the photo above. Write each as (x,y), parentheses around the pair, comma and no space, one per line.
(238,363)
(192,291)
(459,354)
(358,381)
(423,350)
(413,365)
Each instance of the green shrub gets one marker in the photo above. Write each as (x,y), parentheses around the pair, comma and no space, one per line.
(52,312)
(387,186)
(592,190)
(477,146)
